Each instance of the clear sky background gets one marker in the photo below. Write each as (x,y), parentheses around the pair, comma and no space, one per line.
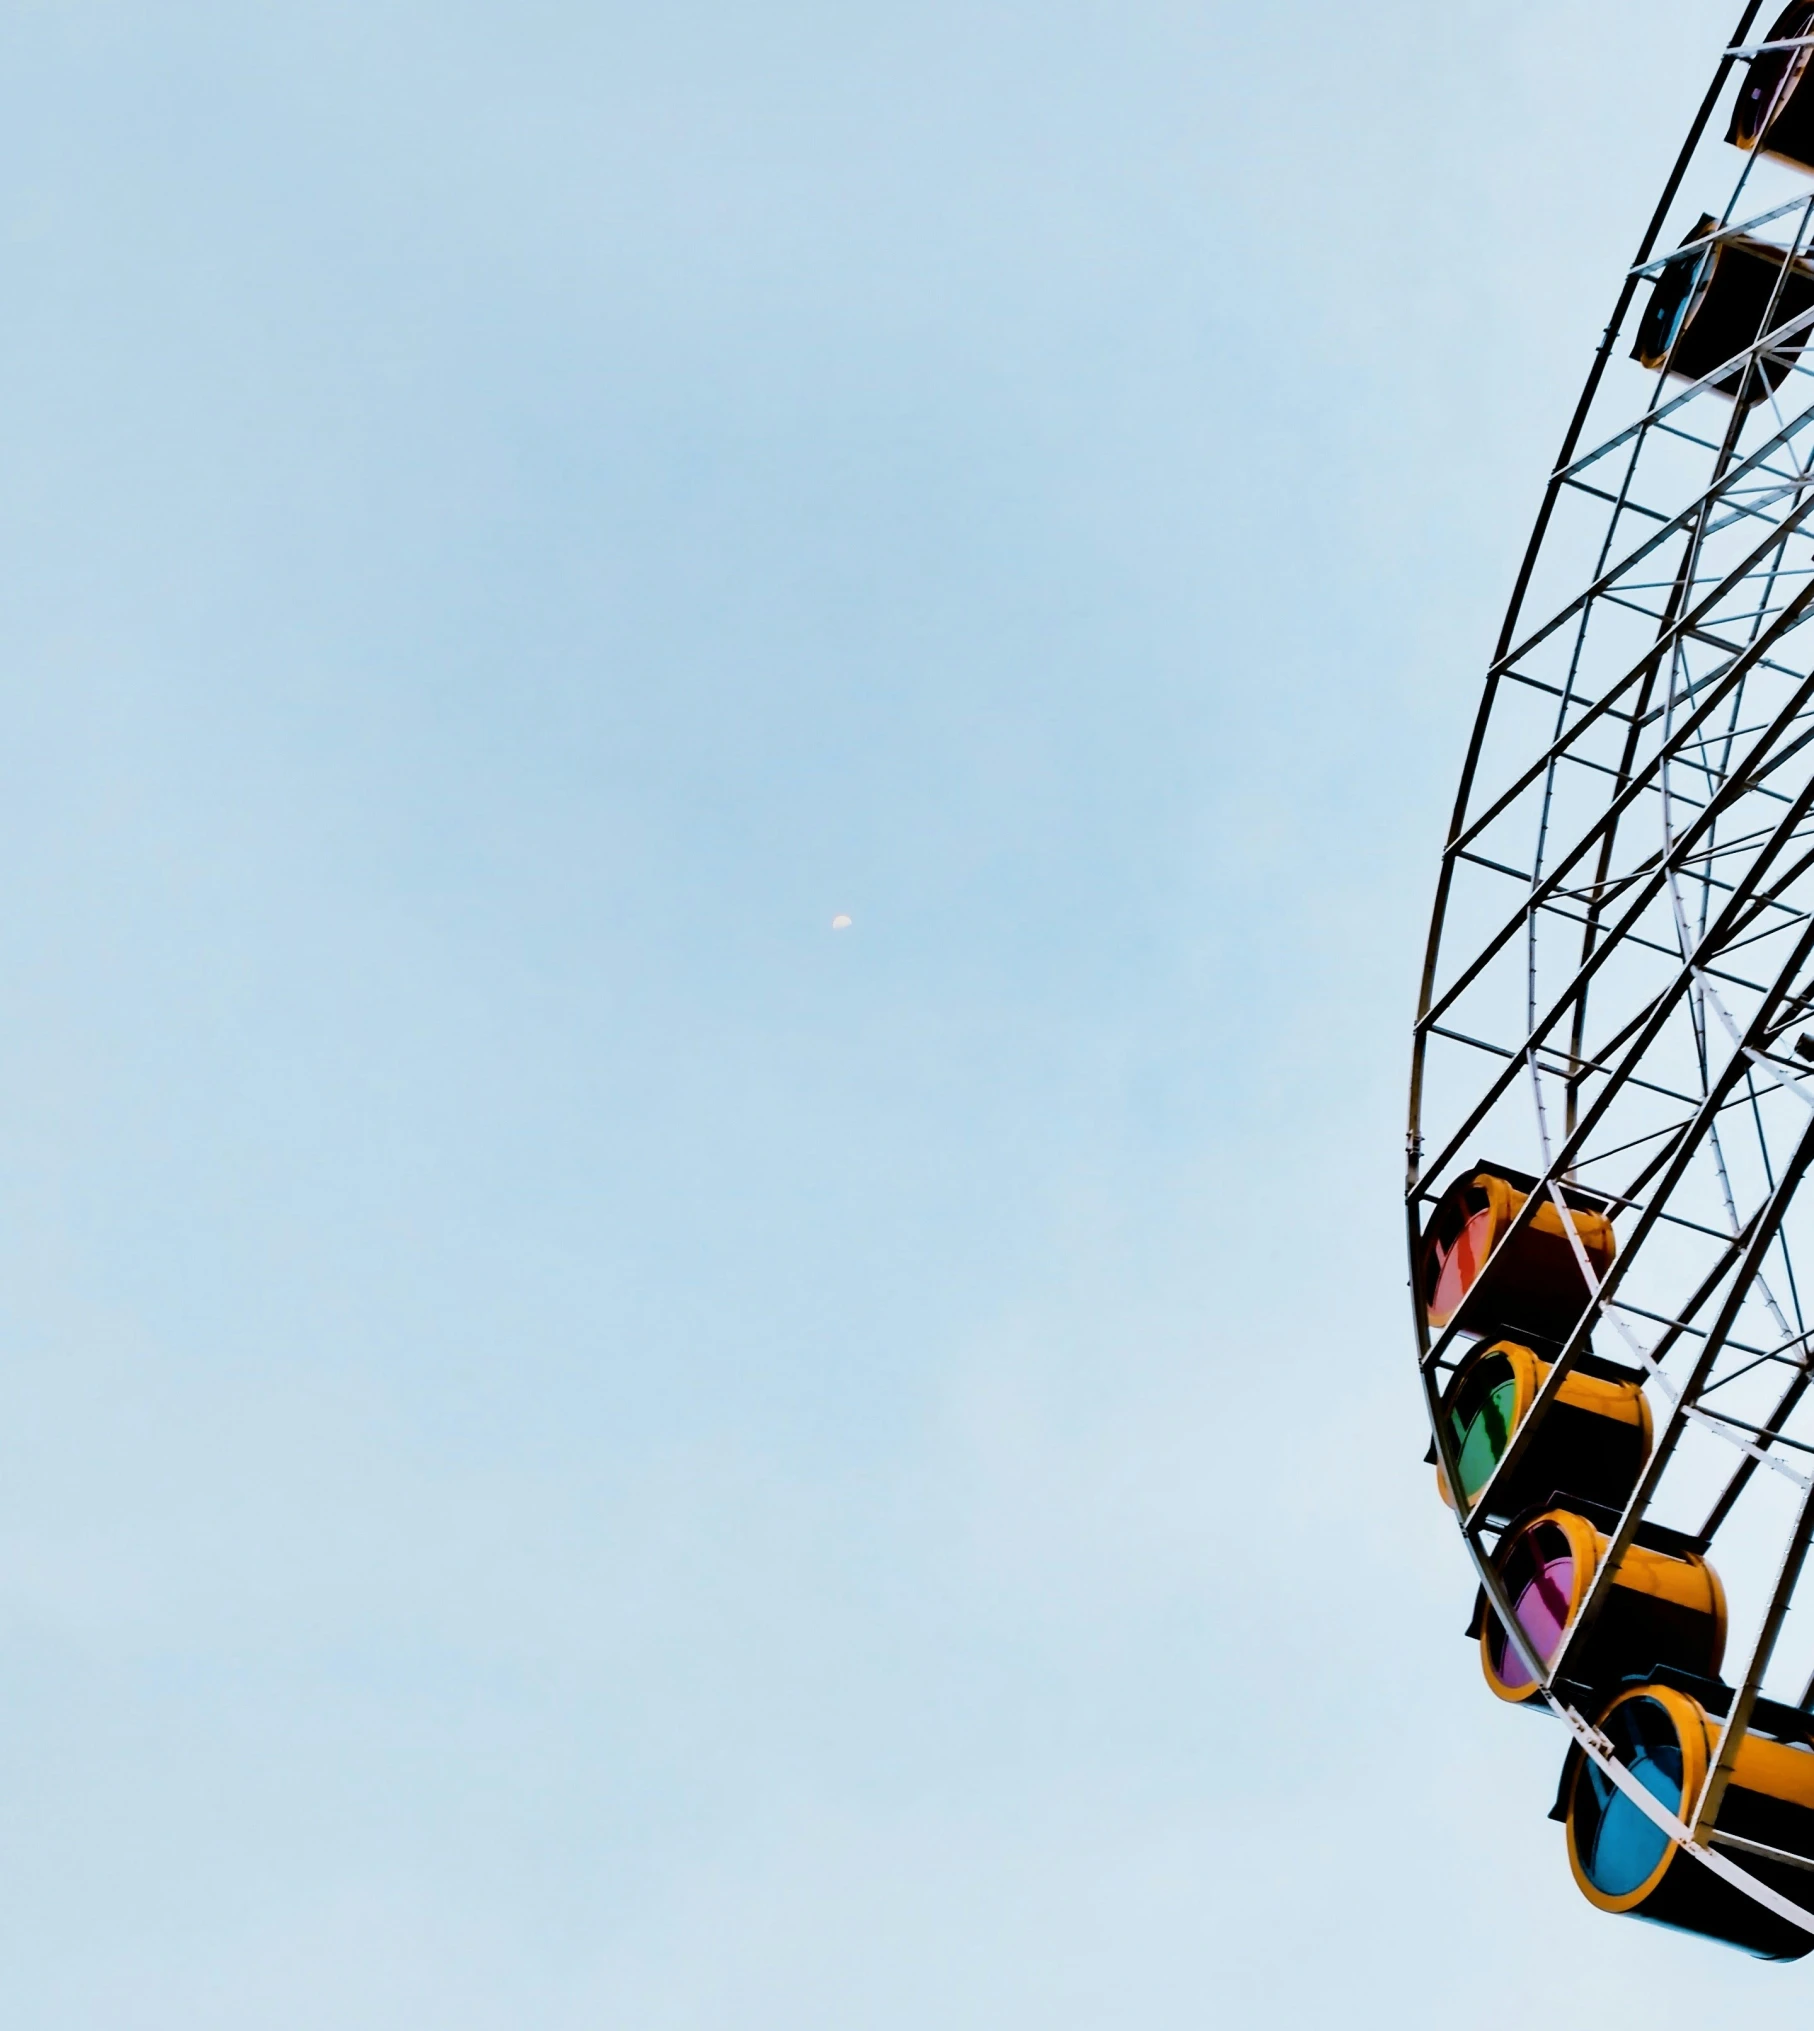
(576,1448)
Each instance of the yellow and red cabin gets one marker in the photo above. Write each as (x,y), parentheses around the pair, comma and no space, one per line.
(1531,1287)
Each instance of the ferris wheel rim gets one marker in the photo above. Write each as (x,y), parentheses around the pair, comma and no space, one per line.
(1699,923)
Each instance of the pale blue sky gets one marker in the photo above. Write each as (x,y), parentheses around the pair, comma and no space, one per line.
(576,1449)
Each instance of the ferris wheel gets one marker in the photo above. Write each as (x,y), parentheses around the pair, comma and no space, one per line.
(1612,1087)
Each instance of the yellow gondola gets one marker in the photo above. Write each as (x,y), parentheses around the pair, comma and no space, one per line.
(1774,111)
(1624,1862)
(1664,1607)
(1592,1443)
(1707,306)
(1530,1287)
